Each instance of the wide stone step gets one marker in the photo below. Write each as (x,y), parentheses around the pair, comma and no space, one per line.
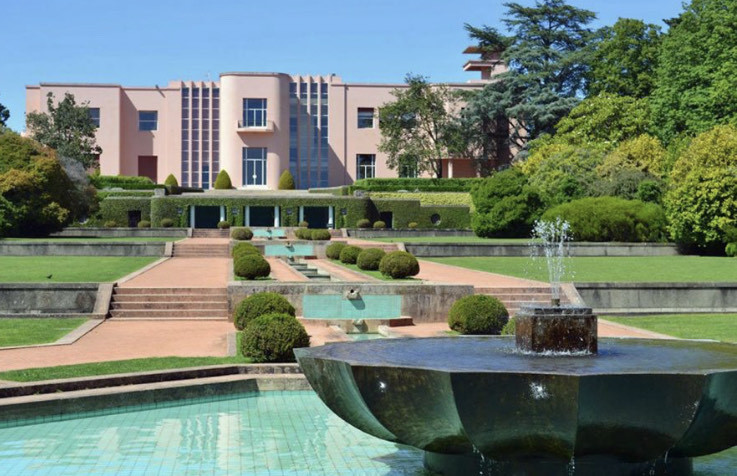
(168,291)
(169,313)
(179,297)
(517,297)
(192,305)
(506,290)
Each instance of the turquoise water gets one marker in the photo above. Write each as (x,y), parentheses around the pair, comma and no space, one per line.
(335,306)
(272,433)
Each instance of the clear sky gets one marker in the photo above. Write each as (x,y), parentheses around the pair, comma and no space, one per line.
(143,43)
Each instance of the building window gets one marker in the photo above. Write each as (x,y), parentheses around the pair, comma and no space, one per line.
(366,165)
(148,120)
(94,113)
(254,112)
(365,117)
(254,166)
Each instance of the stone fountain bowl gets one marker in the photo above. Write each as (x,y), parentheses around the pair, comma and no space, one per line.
(636,402)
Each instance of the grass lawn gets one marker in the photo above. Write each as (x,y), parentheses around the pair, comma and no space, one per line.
(29,331)
(454,239)
(610,269)
(129,239)
(373,274)
(68,269)
(721,327)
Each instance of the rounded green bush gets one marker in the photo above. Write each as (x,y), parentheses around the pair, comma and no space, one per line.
(509,328)
(223,225)
(412,225)
(251,266)
(167,222)
(363,223)
(244,248)
(399,264)
(241,233)
(478,314)
(273,338)
(303,233)
(349,254)
(223,182)
(378,225)
(320,235)
(731,249)
(259,304)
(110,224)
(144,224)
(333,250)
(369,258)
(304,224)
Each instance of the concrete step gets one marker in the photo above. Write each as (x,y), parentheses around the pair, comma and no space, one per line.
(189,298)
(508,290)
(169,291)
(169,314)
(200,306)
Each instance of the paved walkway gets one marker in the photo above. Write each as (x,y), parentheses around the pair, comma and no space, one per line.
(281,271)
(437,272)
(340,272)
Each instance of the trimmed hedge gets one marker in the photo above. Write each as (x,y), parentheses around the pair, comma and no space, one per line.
(222,182)
(363,223)
(125,182)
(612,219)
(223,225)
(144,224)
(478,314)
(116,209)
(251,266)
(369,258)
(379,225)
(273,338)
(171,181)
(259,304)
(244,248)
(349,254)
(241,233)
(399,265)
(457,199)
(103,194)
(406,211)
(413,184)
(333,250)
(167,223)
(286,181)
(320,235)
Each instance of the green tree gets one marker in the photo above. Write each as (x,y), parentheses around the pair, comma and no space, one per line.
(222,181)
(695,87)
(67,128)
(547,56)
(286,181)
(625,59)
(171,181)
(4,116)
(564,172)
(644,153)
(418,129)
(701,203)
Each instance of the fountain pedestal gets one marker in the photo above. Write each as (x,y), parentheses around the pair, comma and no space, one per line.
(556,329)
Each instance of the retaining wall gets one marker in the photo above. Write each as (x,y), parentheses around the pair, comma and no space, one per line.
(48,248)
(47,298)
(428,250)
(99,232)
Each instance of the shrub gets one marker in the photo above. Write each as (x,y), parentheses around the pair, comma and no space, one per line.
(370,258)
(399,264)
(304,224)
(241,233)
(167,222)
(731,249)
(251,266)
(171,181)
(110,224)
(349,254)
(478,314)
(286,181)
(612,219)
(260,304)
(303,233)
(412,225)
(144,224)
(320,235)
(650,191)
(244,248)
(273,338)
(222,182)
(333,250)
(379,225)
(223,225)
(363,223)
(510,328)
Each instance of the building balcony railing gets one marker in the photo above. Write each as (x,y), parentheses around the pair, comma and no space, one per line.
(268,128)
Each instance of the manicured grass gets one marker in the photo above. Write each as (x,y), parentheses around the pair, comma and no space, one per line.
(128,239)
(68,269)
(721,327)
(611,269)
(30,331)
(454,239)
(116,367)
(373,274)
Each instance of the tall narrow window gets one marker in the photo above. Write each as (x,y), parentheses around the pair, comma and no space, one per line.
(94,113)
(365,117)
(366,165)
(254,112)
(254,166)
(148,120)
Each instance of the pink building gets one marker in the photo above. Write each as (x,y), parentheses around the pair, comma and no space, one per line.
(254,125)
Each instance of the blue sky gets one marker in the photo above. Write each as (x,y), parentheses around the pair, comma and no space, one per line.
(143,43)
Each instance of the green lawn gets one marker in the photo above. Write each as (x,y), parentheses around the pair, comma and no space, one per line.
(29,331)
(129,239)
(454,239)
(611,269)
(68,269)
(721,327)
(373,274)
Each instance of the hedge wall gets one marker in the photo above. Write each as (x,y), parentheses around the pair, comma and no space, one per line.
(415,184)
(117,208)
(123,181)
(103,194)
(407,211)
(458,199)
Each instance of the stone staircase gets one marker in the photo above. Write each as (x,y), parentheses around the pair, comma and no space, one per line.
(169,303)
(200,250)
(210,233)
(310,272)
(515,298)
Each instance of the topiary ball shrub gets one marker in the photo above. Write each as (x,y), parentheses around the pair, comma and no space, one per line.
(223,182)
(349,254)
(412,225)
(251,266)
(110,224)
(363,223)
(399,265)
(478,314)
(244,248)
(167,222)
(171,181)
(259,304)
(223,225)
(241,233)
(273,338)
(303,233)
(286,181)
(378,225)
(333,250)
(369,258)
(731,250)
(144,224)
(304,224)
(320,235)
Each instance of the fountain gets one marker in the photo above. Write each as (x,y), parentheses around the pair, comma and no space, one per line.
(551,401)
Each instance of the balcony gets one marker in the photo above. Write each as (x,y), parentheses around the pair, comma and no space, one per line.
(267,129)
